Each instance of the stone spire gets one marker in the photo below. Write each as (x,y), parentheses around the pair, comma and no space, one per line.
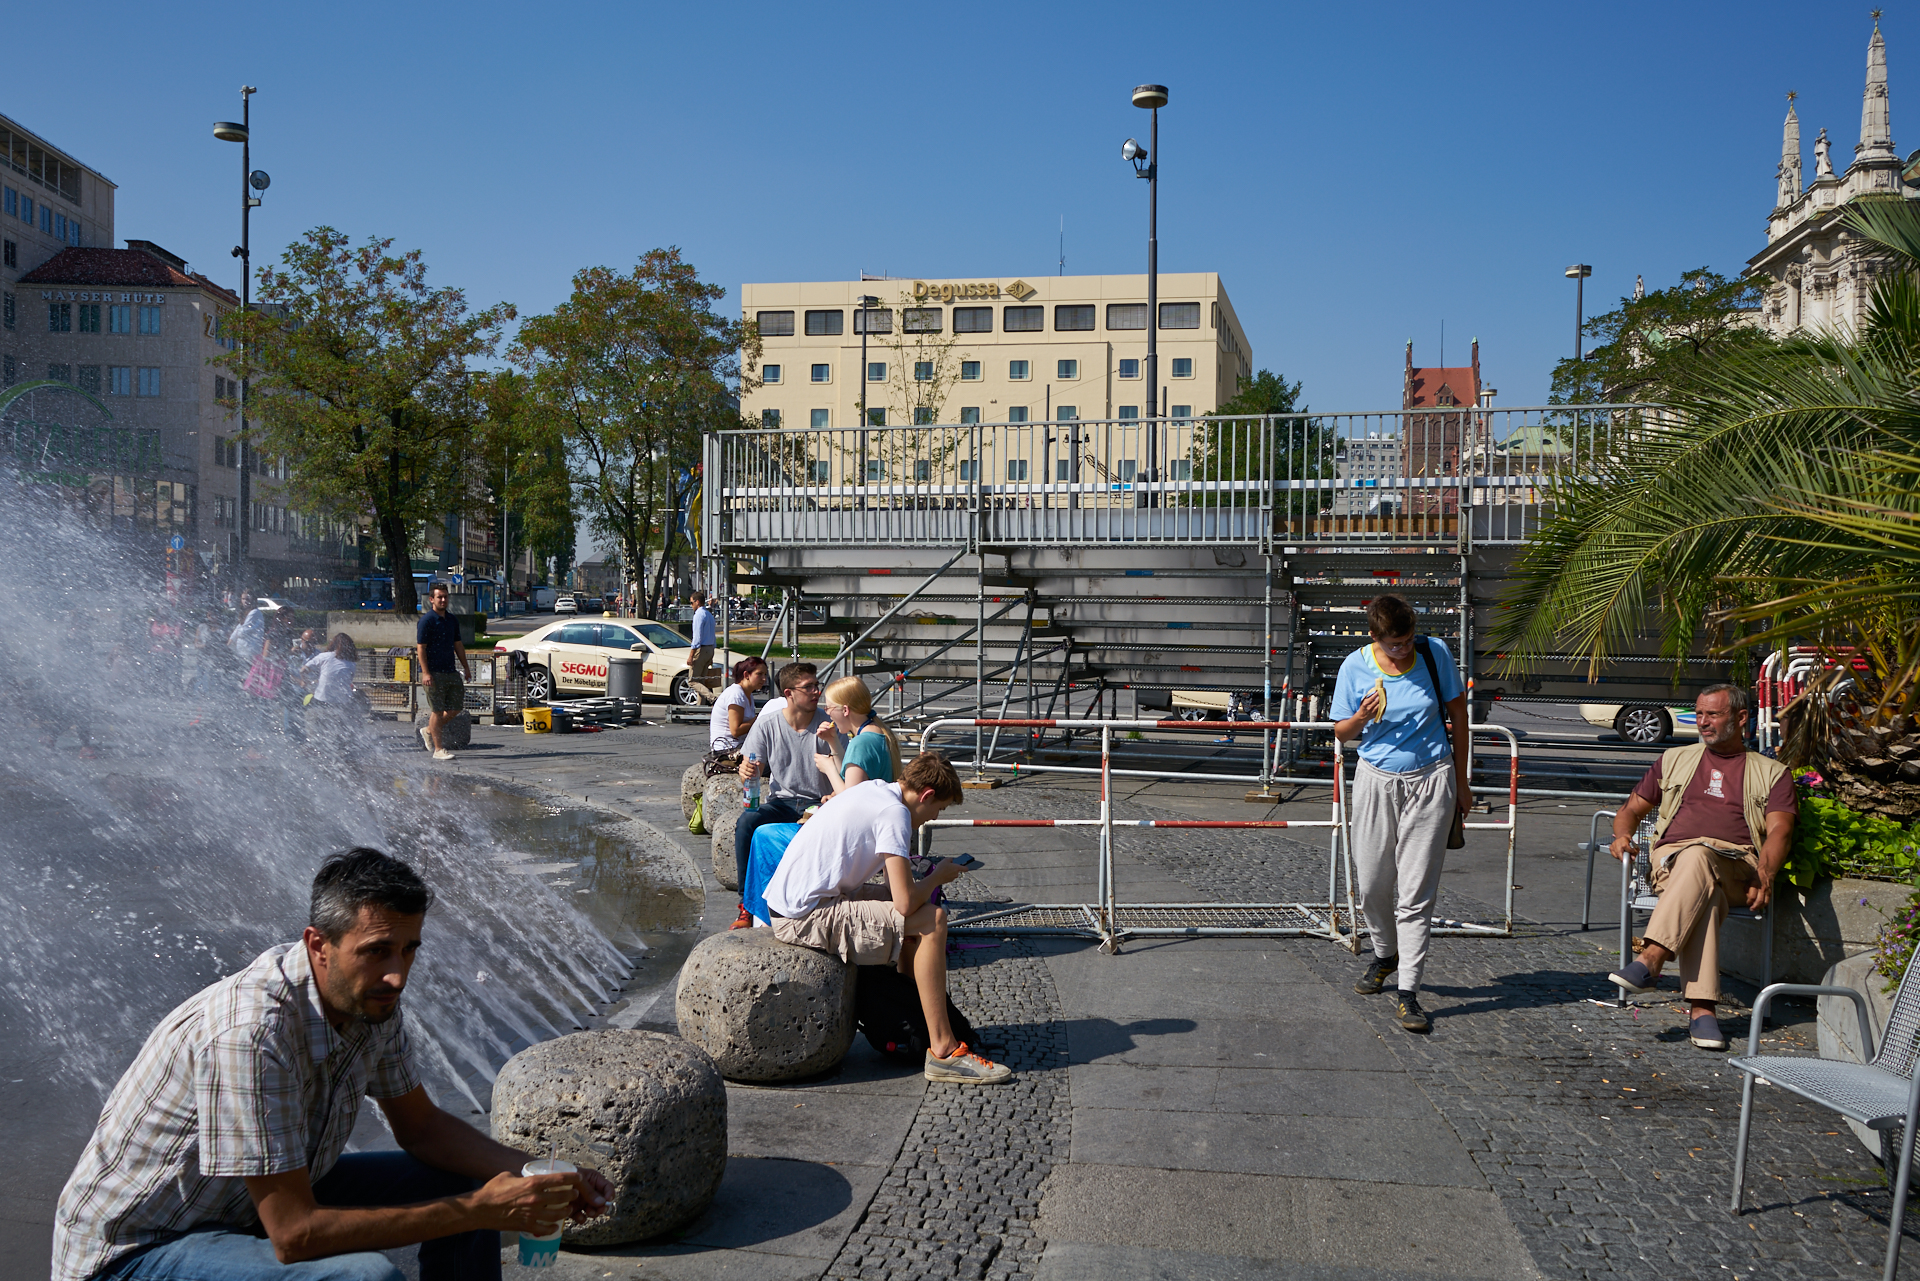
(1789,171)
(1876,134)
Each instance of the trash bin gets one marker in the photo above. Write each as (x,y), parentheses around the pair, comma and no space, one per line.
(624,674)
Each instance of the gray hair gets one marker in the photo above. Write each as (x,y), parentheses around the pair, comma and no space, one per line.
(1738,699)
(361,878)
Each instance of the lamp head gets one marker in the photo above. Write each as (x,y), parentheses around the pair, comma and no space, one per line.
(1578,271)
(259,180)
(1131,150)
(1150,96)
(229,131)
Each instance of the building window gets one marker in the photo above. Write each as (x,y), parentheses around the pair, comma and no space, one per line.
(1019,370)
(973,320)
(922,469)
(46,218)
(966,469)
(1072,317)
(1183,411)
(770,419)
(8,375)
(969,371)
(1067,369)
(73,231)
(876,371)
(1063,469)
(920,320)
(219,387)
(1179,315)
(873,320)
(59,317)
(776,324)
(1016,413)
(969,414)
(26,210)
(922,416)
(7,302)
(876,469)
(89,379)
(119,381)
(1183,366)
(60,373)
(1016,469)
(13,205)
(1123,469)
(89,317)
(1129,368)
(771,373)
(10,254)
(1023,320)
(119,319)
(1126,315)
(818,418)
(877,417)
(923,371)
(1129,411)
(149,381)
(826,324)
(823,373)
(1180,469)
(60,227)
(1066,413)
(820,471)
(150,319)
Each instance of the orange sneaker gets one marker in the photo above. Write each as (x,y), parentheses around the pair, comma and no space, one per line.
(744,921)
(965,1068)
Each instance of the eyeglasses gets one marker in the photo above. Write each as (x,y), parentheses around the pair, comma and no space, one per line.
(1399,646)
(813,688)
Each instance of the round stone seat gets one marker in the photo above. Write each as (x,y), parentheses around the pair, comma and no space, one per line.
(647,1110)
(765,1010)
(693,785)
(720,811)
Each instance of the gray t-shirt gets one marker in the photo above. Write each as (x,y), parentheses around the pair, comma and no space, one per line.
(787,757)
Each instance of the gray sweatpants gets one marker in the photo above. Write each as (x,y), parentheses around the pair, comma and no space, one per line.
(1400,824)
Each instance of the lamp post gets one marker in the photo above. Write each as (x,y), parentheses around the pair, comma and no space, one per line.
(250,181)
(1578,274)
(1146,164)
(866,302)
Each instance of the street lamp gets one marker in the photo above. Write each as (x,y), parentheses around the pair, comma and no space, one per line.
(1578,274)
(866,302)
(251,180)
(1146,164)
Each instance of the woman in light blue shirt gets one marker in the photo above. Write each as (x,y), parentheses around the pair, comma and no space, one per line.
(1407,786)
(868,748)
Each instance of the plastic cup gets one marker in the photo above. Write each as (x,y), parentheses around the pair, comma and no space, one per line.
(542,1252)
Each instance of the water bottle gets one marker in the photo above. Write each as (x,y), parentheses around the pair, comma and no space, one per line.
(753,784)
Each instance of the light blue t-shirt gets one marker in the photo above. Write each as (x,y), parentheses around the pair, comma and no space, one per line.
(1411,736)
(869,752)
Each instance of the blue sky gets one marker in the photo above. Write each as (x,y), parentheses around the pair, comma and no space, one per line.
(1357,174)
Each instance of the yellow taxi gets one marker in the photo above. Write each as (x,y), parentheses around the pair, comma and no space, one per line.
(569,657)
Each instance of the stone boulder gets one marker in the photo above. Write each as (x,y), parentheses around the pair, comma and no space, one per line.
(720,811)
(765,1010)
(456,734)
(693,785)
(647,1110)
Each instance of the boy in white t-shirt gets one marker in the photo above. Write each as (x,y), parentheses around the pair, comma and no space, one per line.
(819,898)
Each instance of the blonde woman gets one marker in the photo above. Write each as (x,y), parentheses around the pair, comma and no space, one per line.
(868,748)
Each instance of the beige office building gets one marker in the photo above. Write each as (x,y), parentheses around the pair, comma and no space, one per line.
(1005,350)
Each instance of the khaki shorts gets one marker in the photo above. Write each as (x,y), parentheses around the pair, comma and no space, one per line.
(860,929)
(448,693)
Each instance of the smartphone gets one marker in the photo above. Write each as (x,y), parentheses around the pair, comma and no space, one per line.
(966,861)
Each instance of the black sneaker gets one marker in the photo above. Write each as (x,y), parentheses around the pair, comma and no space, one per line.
(1412,1017)
(1375,979)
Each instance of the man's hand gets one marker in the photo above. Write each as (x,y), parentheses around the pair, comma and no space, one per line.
(1760,892)
(1464,801)
(1622,849)
(535,1205)
(946,874)
(594,1196)
(426,677)
(749,768)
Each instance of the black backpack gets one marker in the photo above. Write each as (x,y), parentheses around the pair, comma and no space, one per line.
(886,1009)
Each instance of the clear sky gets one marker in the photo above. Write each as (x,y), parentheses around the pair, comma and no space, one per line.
(1357,174)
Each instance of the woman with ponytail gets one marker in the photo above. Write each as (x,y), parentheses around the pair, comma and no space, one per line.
(868,748)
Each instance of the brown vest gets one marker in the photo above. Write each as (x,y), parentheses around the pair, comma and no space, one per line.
(1677,768)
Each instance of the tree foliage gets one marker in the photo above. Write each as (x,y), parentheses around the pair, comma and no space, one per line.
(630,372)
(359,377)
(1646,348)
(1290,447)
(526,461)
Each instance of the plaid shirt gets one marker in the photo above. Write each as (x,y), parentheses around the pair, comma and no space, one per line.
(246,1078)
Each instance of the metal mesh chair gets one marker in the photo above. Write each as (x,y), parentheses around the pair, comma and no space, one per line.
(1636,895)
(1882,1094)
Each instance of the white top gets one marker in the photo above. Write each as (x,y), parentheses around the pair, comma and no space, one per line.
(335,684)
(718,737)
(840,847)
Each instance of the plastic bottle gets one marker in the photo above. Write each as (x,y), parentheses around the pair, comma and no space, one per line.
(753,784)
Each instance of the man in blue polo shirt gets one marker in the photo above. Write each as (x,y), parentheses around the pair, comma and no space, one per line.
(437,646)
(700,661)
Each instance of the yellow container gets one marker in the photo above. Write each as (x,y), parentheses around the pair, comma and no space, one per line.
(537,720)
(403,669)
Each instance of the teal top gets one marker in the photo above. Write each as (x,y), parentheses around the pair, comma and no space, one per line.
(869,752)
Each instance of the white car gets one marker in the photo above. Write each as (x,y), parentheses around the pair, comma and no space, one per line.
(570,657)
(1642,724)
(565,605)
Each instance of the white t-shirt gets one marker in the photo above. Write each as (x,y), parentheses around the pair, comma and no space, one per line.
(336,677)
(840,847)
(718,737)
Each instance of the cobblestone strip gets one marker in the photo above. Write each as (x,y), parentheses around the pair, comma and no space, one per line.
(962,1196)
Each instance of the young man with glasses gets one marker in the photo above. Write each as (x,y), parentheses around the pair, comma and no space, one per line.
(784,743)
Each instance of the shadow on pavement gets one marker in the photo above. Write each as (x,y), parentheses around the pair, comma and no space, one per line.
(1093,1039)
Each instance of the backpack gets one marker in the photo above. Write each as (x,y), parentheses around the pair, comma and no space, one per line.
(886,1009)
(697,824)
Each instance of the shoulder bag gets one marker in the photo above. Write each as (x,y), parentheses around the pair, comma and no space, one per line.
(1457,833)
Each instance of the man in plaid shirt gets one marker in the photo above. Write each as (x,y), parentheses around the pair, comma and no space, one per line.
(218,1155)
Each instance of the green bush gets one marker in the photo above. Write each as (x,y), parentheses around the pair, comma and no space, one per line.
(1831,840)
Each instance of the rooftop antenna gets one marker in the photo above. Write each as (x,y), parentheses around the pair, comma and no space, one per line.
(1063,244)
(1443,344)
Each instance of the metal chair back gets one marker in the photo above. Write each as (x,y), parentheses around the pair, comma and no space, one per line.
(1900,1042)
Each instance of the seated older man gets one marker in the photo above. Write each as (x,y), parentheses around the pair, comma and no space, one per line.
(1724,823)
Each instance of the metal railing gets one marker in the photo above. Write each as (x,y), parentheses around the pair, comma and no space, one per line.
(1426,476)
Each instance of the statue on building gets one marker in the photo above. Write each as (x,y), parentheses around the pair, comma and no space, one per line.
(1639,288)
(1822,159)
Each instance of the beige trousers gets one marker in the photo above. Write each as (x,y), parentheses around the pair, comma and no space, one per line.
(1698,881)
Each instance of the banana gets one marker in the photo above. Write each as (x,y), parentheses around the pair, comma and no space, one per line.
(1380,688)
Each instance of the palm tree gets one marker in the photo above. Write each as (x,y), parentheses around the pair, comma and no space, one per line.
(1771,501)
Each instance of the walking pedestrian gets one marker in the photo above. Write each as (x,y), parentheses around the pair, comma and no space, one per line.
(700,660)
(1395,696)
(437,646)
(330,710)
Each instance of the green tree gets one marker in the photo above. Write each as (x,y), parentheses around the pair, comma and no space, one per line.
(526,461)
(1645,348)
(359,378)
(631,371)
(1287,447)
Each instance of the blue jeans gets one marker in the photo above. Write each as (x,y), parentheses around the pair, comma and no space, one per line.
(214,1253)
(770,811)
